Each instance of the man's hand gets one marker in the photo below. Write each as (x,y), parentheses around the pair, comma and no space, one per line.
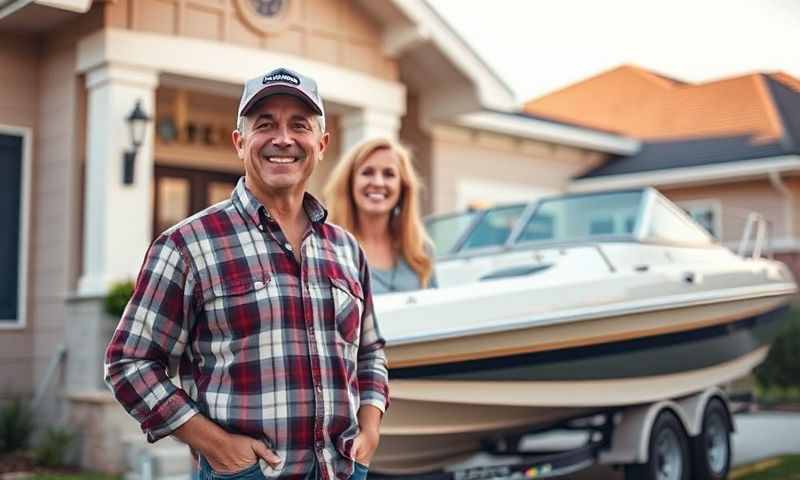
(365,444)
(239,453)
(225,452)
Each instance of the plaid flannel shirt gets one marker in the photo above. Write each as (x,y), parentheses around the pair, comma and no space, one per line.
(279,349)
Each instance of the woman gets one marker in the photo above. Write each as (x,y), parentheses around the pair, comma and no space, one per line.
(374,193)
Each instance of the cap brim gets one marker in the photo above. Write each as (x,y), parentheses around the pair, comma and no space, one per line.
(277,90)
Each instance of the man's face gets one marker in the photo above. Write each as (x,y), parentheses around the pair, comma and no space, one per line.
(280,145)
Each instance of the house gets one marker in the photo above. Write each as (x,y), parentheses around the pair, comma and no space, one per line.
(720,149)
(79,209)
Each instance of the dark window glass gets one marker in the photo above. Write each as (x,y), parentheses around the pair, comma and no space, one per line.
(10,200)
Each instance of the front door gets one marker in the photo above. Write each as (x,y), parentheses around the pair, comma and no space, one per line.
(181,192)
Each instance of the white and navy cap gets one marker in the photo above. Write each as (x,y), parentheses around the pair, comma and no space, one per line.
(283,81)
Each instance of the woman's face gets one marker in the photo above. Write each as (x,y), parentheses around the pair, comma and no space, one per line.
(376,183)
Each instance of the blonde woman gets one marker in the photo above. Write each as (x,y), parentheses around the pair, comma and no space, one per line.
(374,193)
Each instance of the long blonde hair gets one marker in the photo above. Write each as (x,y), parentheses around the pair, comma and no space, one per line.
(406,225)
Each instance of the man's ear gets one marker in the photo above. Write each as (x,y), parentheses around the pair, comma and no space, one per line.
(238,142)
(323,143)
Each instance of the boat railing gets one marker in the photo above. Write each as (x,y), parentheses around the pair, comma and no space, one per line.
(755,230)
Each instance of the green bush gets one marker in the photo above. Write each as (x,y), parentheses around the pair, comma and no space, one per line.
(53,447)
(117,298)
(782,366)
(16,426)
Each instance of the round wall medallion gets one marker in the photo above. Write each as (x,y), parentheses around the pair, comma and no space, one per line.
(267,16)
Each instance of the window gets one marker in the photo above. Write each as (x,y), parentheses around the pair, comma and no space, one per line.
(13,249)
(707,213)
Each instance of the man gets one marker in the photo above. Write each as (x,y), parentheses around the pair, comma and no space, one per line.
(265,311)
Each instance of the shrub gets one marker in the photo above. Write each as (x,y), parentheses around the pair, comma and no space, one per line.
(16,426)
(53,447)
(782,366)
(117,298)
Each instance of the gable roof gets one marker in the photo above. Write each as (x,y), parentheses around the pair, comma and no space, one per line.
(752,117)
(646,105)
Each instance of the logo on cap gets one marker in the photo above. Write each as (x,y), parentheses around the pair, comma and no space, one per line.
(281,77)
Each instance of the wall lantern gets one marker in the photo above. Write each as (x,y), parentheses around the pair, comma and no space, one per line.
(137,123)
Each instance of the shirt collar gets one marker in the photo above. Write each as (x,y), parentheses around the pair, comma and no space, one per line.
(249,205)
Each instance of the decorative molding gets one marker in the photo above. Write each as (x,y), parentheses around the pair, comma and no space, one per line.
(288,12)
(533,129)
(231,64)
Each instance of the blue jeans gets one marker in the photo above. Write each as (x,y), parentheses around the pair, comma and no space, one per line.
(204,472)
(360,472)
(253,472)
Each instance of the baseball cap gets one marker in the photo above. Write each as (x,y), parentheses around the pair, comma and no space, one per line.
(280,80)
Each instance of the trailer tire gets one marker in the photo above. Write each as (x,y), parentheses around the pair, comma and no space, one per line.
(667,452)
(711,450)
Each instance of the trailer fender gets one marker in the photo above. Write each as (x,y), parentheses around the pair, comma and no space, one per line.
(631,434)
(694,406)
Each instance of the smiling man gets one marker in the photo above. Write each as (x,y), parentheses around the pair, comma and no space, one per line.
(265,311)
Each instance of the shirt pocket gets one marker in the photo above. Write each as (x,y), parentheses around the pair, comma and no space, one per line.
(238,305)
(348,307)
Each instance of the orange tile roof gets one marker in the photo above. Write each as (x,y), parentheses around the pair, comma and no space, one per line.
(642,104)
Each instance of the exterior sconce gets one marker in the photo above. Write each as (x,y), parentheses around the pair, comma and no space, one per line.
(137,123)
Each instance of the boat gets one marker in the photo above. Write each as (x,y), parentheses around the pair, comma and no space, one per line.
(565,307)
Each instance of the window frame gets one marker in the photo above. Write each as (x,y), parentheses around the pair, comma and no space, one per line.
(26,134)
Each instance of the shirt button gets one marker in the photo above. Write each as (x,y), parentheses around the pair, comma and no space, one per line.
(288,246)
(319,388)
(319,445)
(258,285)
(261,227)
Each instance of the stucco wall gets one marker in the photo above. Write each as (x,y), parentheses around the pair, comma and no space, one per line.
(332,31)
(18,108)
(484,168)
(56,211)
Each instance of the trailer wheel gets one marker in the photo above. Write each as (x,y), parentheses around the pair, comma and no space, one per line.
(668,452)
(711,450)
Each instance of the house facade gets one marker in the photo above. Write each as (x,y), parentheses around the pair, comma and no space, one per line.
(73,71)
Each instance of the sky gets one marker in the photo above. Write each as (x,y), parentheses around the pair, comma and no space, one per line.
(538,46)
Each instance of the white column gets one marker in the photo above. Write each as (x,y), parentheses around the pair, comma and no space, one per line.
(363,124)
(117,217)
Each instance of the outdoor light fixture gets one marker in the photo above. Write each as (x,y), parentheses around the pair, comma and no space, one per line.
(137,122)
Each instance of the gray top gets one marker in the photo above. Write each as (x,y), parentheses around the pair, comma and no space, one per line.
(401,278)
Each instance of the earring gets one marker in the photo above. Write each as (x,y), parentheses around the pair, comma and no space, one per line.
(396,211)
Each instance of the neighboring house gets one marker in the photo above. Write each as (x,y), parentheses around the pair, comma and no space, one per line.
(719,149)
(73,70)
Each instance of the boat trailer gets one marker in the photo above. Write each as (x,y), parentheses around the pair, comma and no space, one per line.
(681,439)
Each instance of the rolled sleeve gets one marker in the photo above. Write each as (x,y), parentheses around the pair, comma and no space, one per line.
(150,340)
(373,372)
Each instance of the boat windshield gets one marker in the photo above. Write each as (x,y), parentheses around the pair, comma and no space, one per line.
(446,231)
(494,228)
(584,217)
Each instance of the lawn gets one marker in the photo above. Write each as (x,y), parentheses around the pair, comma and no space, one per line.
(74,476)
(779,468)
